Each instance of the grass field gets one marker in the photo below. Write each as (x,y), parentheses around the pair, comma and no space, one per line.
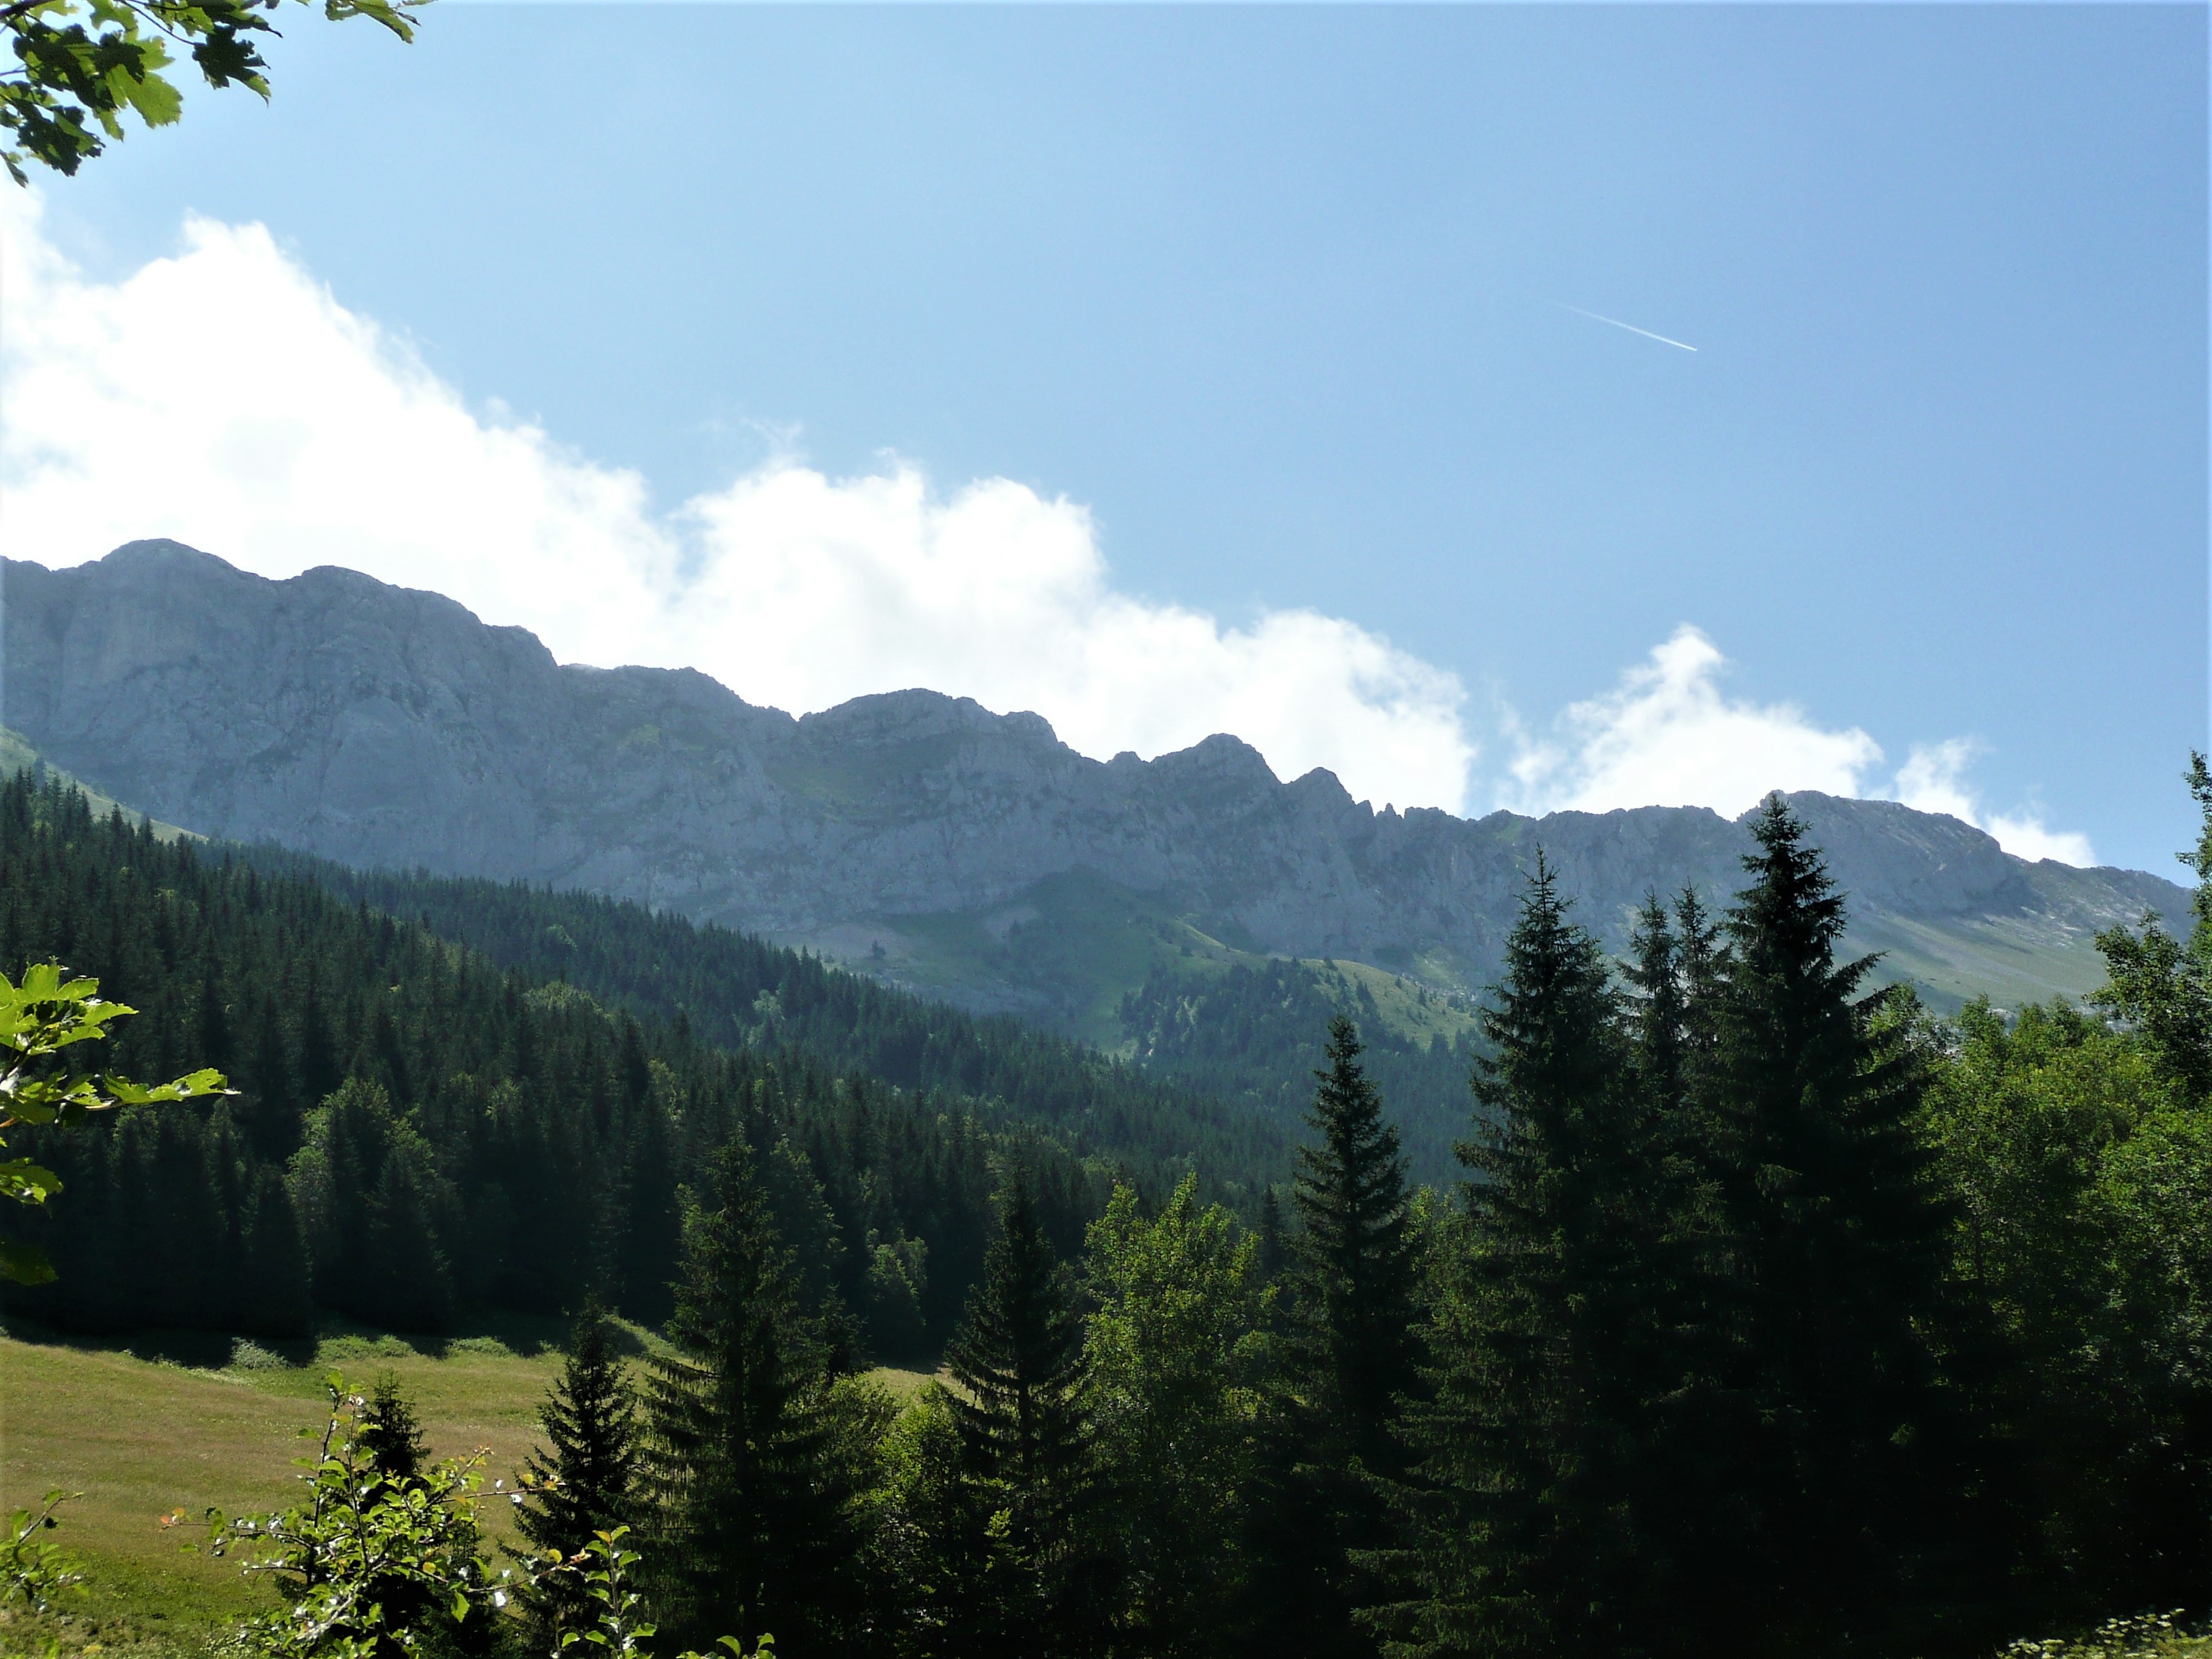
(147,1426)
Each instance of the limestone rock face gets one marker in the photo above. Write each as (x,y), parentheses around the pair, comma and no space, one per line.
(380,726)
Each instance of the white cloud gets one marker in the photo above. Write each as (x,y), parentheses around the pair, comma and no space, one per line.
(308,435)
(1665,736)
(1933,780)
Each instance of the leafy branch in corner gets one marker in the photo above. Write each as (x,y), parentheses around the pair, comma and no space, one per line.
(82,65)
(32,1568)
(39,1018)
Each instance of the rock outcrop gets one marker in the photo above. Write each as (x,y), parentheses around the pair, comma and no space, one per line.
(380,726)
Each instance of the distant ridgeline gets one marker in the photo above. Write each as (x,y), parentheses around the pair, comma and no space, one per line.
(430,1119)
(953,855)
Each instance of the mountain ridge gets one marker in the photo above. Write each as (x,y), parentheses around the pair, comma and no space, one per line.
(910,834)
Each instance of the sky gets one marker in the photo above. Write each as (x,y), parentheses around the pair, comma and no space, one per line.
(1169,370)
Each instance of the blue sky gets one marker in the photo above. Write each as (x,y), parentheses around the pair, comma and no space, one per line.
(1279,299)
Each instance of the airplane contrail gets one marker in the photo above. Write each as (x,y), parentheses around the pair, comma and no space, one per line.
(1617,323)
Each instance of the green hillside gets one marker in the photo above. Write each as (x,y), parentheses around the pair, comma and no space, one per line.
(1126,973)
(422,1131)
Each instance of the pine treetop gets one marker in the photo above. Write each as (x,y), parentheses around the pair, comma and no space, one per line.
(590,1467)
(1349,1191)
(740,1342)
(1350,1348)
(1787,924)
(1018,1358)
(1553,1011)
(391,1433)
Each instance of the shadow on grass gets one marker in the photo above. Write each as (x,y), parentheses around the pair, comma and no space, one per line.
(334,1342)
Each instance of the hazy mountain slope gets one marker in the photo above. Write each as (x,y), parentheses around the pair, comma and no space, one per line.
(921,837)
(17,754)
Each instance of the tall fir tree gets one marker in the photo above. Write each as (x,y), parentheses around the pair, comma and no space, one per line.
(1851,1524)
(587,1479)
(755,1531)
(1356,1274)
(1692,1463)
(1659,1021)
(274,1298)
(1022,1415)
(1347,1358)
(1529,1508)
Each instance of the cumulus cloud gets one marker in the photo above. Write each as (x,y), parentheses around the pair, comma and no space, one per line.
(1934,780)
(310,435)
(313,436)
(1667,736)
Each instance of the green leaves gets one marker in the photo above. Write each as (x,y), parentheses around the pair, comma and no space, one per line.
(81,65)
(32,1570)
(40,1018)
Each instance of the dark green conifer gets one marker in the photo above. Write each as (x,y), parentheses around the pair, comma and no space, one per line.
(586,1480)
(652,1216)
(318,1070)
(1549,1335)
(391,1438)
(1835,1245)
(1025,1434)
(213,1037)
(391,1432)
(1352,1348)
(1018,1360)
(1347,1359)
(272,1116)
(748,1452)
(1659,1020)
(1274,1255)
(275,1293)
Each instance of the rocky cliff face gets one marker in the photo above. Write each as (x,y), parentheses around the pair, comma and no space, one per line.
(379,725)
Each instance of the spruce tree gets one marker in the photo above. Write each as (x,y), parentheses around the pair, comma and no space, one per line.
(586,1481)
(1273,1254)
(1659,1021)
(1835,1244)
(1352,1347)
(275,1291)
(391,1433)
(1348,1359)
(1022,1419)
(1693,1469)
(1528,1507)
(748,1449)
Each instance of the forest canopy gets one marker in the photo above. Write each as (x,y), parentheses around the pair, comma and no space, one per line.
(1771,1313)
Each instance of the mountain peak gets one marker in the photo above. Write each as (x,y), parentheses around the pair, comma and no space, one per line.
(380,726)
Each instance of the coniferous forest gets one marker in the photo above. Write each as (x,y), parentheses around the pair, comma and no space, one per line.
(1769,1314)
